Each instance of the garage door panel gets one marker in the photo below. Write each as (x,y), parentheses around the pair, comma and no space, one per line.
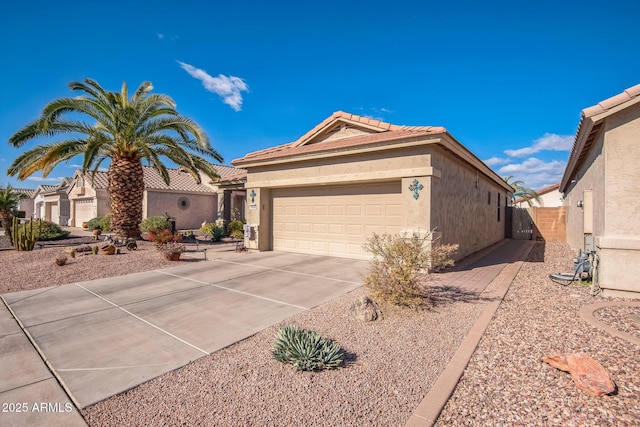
(334,220)
(83,211)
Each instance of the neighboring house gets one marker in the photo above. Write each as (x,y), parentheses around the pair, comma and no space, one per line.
(26,203)
(601,185)
(351,176)
(51,203)
(550,197)
(189,203)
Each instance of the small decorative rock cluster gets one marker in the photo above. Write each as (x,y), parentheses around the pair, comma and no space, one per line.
(365,309)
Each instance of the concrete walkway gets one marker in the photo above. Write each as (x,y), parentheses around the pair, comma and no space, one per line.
(103,337)
(497,265)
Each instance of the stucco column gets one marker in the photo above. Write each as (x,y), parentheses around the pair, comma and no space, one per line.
(416,204)
(258,216)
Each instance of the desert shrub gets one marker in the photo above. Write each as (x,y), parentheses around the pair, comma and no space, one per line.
(306,350)
(398,262)
(105,223)
(162,236)
(155,223)
(236,229)
(100,222)
(47,230)
(213,230)
(94,224)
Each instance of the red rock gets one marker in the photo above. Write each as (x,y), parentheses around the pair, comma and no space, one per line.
(589,376)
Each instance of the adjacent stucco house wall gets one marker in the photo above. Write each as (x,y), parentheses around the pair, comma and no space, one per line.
(601,186)
(189,203)
(351,176)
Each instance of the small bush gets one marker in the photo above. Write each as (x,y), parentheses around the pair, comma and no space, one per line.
(94,250)
(236,229)
(211,229)
(105,223)
(47,230)
(155,223)
(100,223)
(398,261)
(306,350)
(162,236)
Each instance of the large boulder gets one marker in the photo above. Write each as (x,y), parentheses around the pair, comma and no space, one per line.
(589,376)
(365,309)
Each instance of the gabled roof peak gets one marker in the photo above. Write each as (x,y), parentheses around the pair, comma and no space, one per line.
(367,124)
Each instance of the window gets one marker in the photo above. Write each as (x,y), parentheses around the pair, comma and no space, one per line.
(498,207)
(489,201)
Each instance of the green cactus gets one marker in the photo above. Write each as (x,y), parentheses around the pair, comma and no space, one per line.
(25,237)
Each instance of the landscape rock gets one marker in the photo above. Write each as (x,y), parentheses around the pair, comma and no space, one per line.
(589,376)
(365,309)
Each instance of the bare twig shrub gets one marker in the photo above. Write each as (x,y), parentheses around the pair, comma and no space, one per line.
(398,260)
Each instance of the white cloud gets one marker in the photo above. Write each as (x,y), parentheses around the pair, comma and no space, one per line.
(48,179)
(548,142)
(160,36)
(494,161)
(227,87)
(535,173)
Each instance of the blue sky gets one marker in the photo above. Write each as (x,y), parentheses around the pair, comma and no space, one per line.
(507,79)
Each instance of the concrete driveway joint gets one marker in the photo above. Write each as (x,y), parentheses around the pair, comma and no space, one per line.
(103,337)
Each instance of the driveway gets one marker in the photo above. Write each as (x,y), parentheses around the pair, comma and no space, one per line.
(103,337)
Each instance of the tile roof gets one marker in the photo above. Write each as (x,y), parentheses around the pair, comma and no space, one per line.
(29,192)
(614,101)
(384,133)
(179,181)
(589,126)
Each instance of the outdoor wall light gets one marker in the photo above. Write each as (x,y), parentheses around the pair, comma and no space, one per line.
(580,204)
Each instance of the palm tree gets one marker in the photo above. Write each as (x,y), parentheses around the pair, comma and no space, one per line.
(522,192)
(9,199)
(126,130)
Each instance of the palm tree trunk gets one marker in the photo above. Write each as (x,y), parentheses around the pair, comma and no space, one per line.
(126,191)
(5,218)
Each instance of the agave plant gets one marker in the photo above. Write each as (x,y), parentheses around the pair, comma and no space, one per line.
(306,350)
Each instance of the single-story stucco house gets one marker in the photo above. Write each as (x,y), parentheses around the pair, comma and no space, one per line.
(189,203)
(351,176)
(26,202)
(601,184)
(550,197)
(51,203)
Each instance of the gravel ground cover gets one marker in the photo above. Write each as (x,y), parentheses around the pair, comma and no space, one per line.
(506,383)
(391,363)
(37,269)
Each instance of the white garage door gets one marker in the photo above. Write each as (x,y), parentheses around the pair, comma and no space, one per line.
(84,211)
(334,220)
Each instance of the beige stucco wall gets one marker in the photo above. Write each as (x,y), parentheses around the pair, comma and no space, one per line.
(461,209)
(449,198)
(589,178)
(612,173)
(202,207)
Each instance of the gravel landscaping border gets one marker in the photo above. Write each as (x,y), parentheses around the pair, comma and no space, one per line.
(392,363)
(506,383)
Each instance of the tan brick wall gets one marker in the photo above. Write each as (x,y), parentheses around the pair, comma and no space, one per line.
(550,224)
